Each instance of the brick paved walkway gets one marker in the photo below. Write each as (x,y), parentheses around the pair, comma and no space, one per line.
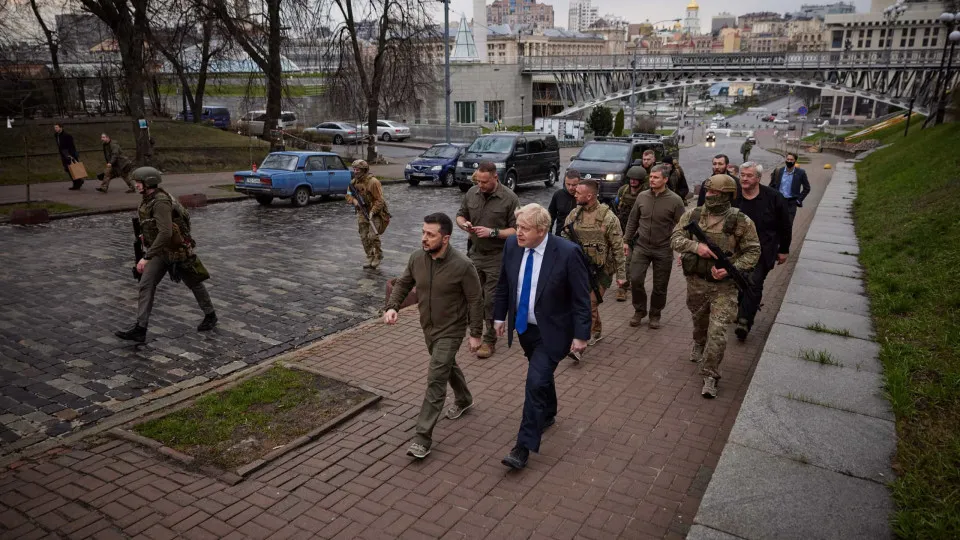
(630,456)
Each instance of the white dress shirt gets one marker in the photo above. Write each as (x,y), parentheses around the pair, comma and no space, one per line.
(537,262)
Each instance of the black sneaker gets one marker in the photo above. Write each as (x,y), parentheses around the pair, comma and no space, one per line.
(209,321)
(549,422)
(517,458)
(135,333)
(742,330)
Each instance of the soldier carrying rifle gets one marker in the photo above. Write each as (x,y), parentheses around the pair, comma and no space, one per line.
(366,195)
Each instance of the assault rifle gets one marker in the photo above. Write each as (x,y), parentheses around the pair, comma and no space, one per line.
(593,271)
(364,209)
(723,262)
(137,247)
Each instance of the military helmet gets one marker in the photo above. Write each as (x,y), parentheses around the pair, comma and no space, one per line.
(148,176)
(361,165)
(637,172)
(722,183)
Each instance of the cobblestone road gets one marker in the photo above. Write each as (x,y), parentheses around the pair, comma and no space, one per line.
(281,277)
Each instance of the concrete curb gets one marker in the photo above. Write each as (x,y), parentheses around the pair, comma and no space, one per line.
(810,453)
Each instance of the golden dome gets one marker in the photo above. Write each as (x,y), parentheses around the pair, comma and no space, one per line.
(693,5)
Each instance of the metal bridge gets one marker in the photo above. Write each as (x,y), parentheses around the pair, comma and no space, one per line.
(896,77)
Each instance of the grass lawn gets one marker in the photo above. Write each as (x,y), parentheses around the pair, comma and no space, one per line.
(237,426)
(180,147)
(906,214)
(817,136)
(52,207)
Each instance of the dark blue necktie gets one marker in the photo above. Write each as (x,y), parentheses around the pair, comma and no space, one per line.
(524,308)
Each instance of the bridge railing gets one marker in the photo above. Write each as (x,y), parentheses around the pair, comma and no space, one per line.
(870,60)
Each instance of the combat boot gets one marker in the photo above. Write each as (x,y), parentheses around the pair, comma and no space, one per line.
(696,355)
(621,295)
(135,333)
(743,328)
(654,322)
(375,263)
(486,350)
(208,322)
(709,387)
(637,318)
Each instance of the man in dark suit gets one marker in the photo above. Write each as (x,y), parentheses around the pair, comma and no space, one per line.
(543,293)
(791,181)
(68,153)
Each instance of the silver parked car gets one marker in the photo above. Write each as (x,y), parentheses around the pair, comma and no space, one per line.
(388,130)
(339,132)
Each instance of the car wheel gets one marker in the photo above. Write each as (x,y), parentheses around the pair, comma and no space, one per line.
(338,139)
(264,199)
(386,137)
(301,196)
(511,181)
(552,179)
(464,187)
(413,181)
(447,179)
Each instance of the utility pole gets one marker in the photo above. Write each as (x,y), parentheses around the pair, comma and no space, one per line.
(446,67)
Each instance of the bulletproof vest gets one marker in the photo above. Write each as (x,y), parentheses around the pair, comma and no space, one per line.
(593,239)
(180,239)
(725,239)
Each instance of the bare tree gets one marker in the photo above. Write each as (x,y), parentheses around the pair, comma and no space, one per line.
(50,37)
(370,33)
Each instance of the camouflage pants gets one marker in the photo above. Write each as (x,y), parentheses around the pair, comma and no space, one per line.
(109,174)
(714,307)
(369,238)
(488,268)
(597,326)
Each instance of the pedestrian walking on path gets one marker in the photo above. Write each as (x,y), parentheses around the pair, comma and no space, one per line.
(771,216)
(168,248)
(117,165)
(488,213)
(449,298)
(67,149)
(711,294)
(543,294)
(791,181)
(366,195)
(646,243)
(563,200)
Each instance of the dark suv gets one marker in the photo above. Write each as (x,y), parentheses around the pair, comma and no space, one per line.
(520,158)
(606,159)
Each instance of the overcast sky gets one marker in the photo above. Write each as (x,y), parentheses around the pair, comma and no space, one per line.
(640,10)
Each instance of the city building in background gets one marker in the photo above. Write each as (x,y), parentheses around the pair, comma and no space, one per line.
(691,22)
(515,12)
(722,20)
(582,15)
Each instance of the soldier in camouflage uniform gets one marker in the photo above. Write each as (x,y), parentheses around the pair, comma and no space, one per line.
(598,231)
(711,294)
(636,183)
(367,187)
(117,165)
(168,247)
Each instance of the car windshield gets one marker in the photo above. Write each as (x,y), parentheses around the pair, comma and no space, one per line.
(283,162)
(492,145)
(440,151)
(604,152)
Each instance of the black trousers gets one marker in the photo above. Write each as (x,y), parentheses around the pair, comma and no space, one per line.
(748,310)
(540,400)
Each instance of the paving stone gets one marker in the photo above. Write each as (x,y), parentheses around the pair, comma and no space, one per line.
(852,353)
(834,300)
(828,283)
(830,268)
(805,316)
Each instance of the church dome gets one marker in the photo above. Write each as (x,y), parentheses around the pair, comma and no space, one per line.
(693,5)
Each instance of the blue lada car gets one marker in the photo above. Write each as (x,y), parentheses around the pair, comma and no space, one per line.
(296,176)
(437,164)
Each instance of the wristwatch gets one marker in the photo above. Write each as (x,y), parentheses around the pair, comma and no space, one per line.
(494,233)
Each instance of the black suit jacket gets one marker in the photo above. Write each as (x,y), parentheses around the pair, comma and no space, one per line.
(800,187)
(66,147)
(562,298)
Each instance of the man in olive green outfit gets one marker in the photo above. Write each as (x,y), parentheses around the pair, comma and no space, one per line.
(488,214)
(711,294)
(598,233)
(450,297)
(117,165)
(647,235)
(168,247)
(636,183)
(367,188)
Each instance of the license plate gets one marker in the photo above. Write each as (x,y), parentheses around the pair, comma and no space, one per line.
(253,181)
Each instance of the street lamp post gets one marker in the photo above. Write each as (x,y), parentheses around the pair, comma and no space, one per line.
(446,68)
(891,14)
(950,20)
(521,112)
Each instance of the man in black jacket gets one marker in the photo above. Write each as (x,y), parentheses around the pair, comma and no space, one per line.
(719,164)
(68,152)
(770,214)
(791,181)
(563,201)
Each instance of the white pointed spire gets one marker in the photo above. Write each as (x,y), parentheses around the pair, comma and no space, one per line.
(465,48)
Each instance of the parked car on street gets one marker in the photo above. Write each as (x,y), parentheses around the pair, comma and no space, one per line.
(252,122)
(520,158)
(339,132)
(388,130)
(781,121)
(718,118)
(437,164)
(218,115)
(296,176)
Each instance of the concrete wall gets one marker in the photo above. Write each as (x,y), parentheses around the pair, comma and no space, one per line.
(486,82)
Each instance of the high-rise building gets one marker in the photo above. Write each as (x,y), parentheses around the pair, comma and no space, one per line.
(722,20)
(516,12)
(691,23)
(822,10)
(582,14)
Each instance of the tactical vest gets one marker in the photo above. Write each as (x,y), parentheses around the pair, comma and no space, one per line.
(181,243)
(726,240)
(593,238)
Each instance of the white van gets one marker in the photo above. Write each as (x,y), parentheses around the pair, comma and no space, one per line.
(781,121)
(252,122)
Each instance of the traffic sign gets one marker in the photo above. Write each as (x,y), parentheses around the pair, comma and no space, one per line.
(802,110)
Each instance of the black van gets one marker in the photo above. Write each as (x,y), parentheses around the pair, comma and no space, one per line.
(606,159)
(520,158)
